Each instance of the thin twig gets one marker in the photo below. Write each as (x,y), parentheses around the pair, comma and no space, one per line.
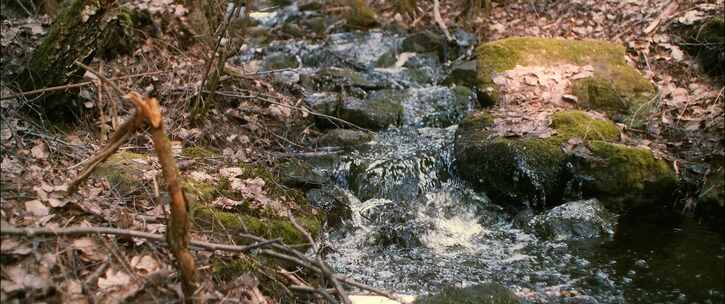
(310,266)
(324,269)
(31,232)
(292,107)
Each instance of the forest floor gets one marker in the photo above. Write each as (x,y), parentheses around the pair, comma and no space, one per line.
(39,157)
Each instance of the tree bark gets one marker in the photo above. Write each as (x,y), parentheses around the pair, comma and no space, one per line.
(73,36)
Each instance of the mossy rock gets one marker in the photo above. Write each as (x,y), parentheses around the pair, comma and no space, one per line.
(361,16)
(264,223)
(615,87)
(344,138)
(124,171)
(298,173)
(489,293)
(538,172)
(268,227)
(377,112)
(711,199)
(627,177)
(280,61)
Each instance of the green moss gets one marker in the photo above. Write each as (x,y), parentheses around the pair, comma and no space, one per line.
(611,72)
(198,152)
(361,16)
(124,171)
(264,223)
(266,227)
(625,171)
(226,271)
(570,124)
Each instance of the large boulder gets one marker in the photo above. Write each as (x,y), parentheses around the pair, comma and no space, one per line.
(606,82)
(579,154)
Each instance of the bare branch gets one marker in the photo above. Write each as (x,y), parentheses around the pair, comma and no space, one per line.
(31,232)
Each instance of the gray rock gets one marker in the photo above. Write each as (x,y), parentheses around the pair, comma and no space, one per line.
(334,201)
(586,219)
(488,293)
(374,113)
(323,102)
(297,173)
(437,106)
(280,61)
(344,137)
(463,73)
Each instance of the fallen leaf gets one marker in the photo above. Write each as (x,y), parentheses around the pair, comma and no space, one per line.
(89,249)
(40,151)
(37,208)
(113,279)
(146,264)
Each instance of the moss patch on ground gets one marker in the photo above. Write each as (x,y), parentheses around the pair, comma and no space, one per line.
(615,87)
(198,152)
(261,222)
(123,170)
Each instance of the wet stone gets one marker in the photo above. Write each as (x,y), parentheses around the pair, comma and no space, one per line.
(463,73)
(297,173)
(344,137)
(576,220)
(374,113)
(335,201)
(437,106)
(488,293)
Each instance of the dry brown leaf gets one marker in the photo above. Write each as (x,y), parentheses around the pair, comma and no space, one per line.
(14,247)
(146,263)
(89,249)
(114,279)
(36,208)
(40,151)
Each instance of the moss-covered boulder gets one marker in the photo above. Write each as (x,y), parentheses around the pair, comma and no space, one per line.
(489,293)
(124,171)
(542,171)
(613,86)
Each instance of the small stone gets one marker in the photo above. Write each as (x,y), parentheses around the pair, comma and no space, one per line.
(569,98)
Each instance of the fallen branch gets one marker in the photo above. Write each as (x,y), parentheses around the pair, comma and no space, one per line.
(31,232)
(75,85)
(324,270)
(306,263)
(439,19)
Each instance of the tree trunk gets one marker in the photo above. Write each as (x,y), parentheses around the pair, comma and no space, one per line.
(73,36)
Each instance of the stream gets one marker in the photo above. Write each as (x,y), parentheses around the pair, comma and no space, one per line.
(406,221)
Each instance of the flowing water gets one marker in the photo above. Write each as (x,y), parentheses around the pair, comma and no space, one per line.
(414,226)
(419,228)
